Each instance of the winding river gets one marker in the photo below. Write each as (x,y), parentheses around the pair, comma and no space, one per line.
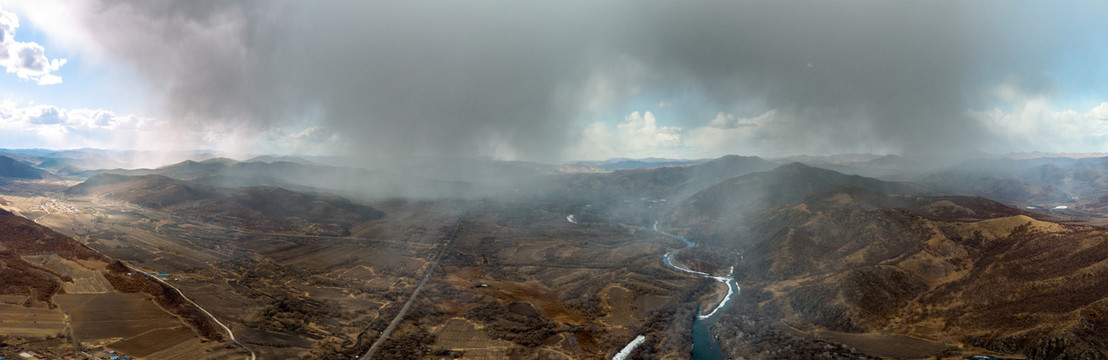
(704,346)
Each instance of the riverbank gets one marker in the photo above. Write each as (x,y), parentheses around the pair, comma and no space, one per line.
(704,345)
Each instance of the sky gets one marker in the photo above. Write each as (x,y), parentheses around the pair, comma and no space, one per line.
(555,81)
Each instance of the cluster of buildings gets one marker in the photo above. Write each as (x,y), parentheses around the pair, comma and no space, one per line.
(54,206)
(102,354)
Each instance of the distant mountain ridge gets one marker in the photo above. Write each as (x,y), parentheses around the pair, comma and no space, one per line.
(154,191)
(787,184)
(628,163)
(261,208)
(670,182)
(14,169)
(1041,182)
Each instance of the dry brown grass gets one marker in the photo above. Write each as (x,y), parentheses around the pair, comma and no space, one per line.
(88,277)
(888,346)
(462,335)
(544,300)
(998,228)
(620,313)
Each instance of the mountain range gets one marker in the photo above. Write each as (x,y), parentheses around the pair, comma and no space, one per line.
(1004,256)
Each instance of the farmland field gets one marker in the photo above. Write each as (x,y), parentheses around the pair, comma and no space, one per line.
(31,322)
(108,316)
(155,340)
(462,335)
(87,276)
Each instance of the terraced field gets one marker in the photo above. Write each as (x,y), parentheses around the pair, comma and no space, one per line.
(87,275)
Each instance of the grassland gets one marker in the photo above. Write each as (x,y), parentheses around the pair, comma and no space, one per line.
(887,345)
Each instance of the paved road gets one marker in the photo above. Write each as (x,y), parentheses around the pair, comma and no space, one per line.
(396,321)
(229,333)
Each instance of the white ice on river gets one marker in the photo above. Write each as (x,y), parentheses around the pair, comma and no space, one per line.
(623,354)
(668,260)
(726,298)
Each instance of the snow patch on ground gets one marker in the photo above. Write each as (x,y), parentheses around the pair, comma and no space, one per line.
(571,219)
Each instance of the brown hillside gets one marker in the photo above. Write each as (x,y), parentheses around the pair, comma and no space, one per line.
(268,209)
(964,269)
(21,237)
(153,191)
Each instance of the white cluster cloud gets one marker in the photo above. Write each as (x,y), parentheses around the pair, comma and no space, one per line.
(70,128)
(38,125)
(1036,124)
(729,134)
(642,131)
(13,115)
(25,59)
(1101,111)
(640,136)
(637,136)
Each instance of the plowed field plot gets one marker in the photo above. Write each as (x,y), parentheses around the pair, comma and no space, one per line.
(462,335)
(105,316)
(87,275)
(21,321)
(155,340)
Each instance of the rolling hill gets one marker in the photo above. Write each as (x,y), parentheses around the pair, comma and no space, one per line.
(154,191)
(1038,181)
(671,183)
(14,169)
(838,255)
(20,237)
(721,208)
(256,208)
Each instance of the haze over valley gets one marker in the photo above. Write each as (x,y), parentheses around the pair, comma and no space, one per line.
(616,180)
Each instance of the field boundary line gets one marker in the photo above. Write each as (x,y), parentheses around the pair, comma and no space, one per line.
(229,333)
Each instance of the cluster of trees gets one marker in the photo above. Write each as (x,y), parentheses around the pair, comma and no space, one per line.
(25,237)
(749,329)
(22,237)
(817,304)
(18,277)
(411,345)
(287,313)
(502,323)
(166,297)
(584,296)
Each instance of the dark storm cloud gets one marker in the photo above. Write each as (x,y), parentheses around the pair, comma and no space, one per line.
(473,78)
